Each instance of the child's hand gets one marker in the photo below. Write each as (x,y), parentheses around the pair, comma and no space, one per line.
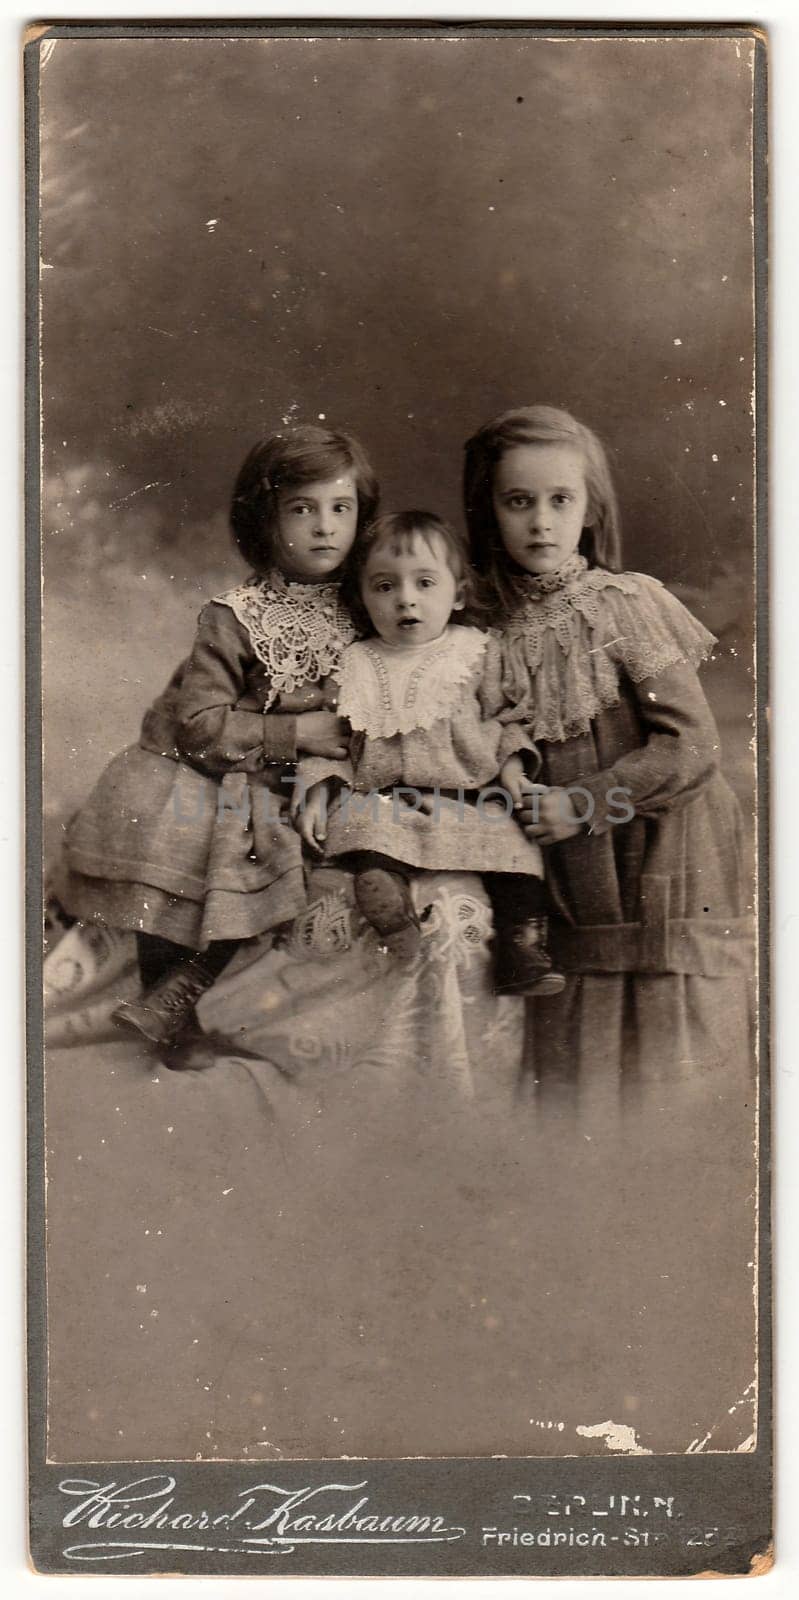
(322,733)
(514,778)
(548,815)
(309,814)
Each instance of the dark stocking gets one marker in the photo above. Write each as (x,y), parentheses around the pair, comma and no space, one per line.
(158,957)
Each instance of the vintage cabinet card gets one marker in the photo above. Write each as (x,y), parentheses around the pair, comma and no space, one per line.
(396,587)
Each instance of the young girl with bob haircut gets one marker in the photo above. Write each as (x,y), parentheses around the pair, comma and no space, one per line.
(185,837)
(422,696)
(641,832)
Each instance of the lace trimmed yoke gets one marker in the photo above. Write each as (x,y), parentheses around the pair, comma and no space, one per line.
(574,634)
(387,690)
(297,630)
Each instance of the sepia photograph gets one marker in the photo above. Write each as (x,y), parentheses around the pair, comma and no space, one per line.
(398,1085)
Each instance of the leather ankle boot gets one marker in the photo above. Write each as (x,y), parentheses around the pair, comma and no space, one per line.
(522,964)
(384,899)
(161,1013)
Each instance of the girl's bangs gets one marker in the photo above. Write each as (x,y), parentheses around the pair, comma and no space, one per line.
(313,463)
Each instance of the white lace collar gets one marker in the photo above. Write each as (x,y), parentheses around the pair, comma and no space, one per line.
(554,601)
(385,691)
(535,584)
(566,650)
(298,630)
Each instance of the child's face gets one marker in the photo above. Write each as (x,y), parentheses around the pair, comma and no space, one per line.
(540,503)
(410,591)
(315,527)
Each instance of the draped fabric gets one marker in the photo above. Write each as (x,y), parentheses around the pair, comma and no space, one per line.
(393,1214)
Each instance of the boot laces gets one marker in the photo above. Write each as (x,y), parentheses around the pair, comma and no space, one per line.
(181,989)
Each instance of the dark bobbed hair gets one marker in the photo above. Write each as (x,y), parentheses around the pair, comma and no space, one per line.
(396,531)
(600,541)
(288,459)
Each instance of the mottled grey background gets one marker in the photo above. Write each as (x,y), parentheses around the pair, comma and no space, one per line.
(405,235)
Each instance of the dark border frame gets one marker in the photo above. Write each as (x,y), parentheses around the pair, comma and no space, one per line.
(709,1515)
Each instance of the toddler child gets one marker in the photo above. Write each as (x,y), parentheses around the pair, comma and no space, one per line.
(422,696)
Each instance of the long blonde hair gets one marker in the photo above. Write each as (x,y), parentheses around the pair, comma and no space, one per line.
(600,541)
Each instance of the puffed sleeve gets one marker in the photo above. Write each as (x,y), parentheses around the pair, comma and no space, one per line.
(212,731)
(680,753)
(514,738)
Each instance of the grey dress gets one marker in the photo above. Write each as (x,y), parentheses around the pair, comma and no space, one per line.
(601,672)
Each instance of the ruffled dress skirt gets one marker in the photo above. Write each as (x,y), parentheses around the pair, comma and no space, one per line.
(161,848)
